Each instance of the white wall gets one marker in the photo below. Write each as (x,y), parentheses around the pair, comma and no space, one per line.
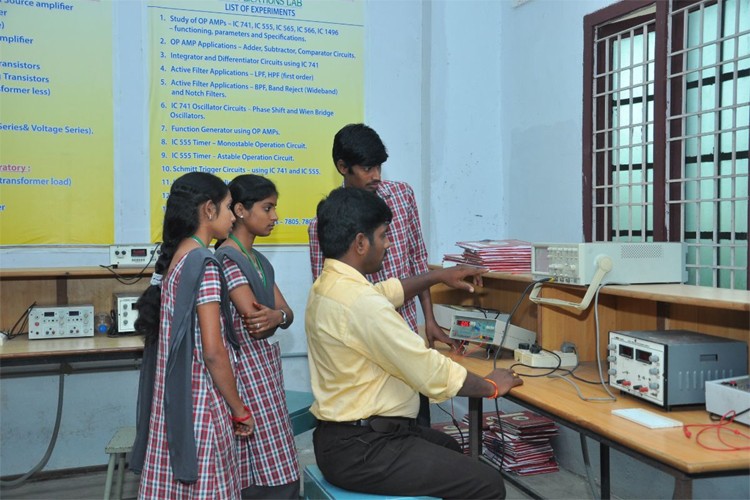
(465,140)
(541,58)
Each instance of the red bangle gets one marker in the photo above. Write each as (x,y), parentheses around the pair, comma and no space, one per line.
(242,419)
(494,394)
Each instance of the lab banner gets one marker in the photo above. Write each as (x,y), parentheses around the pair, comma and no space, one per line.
(254,87)
(56,126)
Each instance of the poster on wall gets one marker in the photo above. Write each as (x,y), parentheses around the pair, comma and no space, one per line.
(254,87)
(56,126)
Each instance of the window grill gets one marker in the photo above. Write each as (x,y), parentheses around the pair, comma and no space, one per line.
(667,126)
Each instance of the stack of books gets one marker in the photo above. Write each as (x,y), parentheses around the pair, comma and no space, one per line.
(460,433)
(523,447)
(507,256)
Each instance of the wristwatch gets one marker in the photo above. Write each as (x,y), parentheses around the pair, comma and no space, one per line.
(283,318)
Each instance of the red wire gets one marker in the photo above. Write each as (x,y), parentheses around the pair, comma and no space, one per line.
(720,426)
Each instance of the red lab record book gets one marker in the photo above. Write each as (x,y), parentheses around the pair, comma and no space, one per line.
(523,447)
(460,433)
(525,423)
(510,256)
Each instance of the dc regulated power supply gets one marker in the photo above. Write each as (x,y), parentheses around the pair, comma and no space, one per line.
(671,367)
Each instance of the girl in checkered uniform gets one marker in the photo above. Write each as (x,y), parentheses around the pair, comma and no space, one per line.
(189,409)
(268,465)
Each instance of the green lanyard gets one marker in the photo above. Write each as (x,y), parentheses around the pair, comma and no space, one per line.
(253,260)
(200,241)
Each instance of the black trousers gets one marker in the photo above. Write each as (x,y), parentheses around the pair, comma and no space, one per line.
(392,456)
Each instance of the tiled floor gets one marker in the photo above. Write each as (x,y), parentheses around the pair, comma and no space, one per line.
(561,485)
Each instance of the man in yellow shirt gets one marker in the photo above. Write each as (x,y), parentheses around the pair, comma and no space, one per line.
(367,367)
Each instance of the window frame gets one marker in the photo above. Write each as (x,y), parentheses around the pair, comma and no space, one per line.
(611,20)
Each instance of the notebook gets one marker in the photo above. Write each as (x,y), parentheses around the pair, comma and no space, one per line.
(646,418)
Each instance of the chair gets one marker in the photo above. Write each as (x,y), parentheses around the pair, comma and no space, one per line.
(298,404)
(120,445)
(317,488)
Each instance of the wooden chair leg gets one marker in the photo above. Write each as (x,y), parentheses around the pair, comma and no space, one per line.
(120,474)
(110,472)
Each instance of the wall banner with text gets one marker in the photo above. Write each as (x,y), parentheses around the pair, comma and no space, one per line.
(254,87)
(56,130)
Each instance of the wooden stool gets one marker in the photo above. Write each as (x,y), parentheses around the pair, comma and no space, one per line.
(317,488)
(119,446)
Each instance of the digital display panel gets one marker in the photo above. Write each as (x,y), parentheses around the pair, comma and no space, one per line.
(138,252)
(626,351)
(463,322)
(49,314)
(643,356)
(73,313)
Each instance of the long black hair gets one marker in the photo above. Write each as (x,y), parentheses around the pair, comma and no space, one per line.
(181,220)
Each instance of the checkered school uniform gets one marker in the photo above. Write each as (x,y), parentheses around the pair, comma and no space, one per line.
(407,255)
(214,437)
(269,457)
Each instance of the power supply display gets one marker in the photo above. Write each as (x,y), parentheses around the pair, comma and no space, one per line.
(134,255)
(671,367)
(61,322)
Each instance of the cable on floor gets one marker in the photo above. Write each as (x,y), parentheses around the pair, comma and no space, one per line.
(15,483)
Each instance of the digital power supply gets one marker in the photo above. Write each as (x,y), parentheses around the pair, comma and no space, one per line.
(59,322)
(134,255)
(484,326)
(124,305)
(577,263)
(670,367)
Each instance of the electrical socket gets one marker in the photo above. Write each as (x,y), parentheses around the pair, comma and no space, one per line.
(568,347)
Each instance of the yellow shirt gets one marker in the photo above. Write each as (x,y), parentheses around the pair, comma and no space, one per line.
(364,359)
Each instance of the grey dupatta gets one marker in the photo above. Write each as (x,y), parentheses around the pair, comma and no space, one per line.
(178,396)
(263,294)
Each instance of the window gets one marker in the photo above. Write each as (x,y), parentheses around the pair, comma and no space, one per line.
(666,130)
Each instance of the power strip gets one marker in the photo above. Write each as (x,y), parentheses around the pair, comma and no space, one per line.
(545,359)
